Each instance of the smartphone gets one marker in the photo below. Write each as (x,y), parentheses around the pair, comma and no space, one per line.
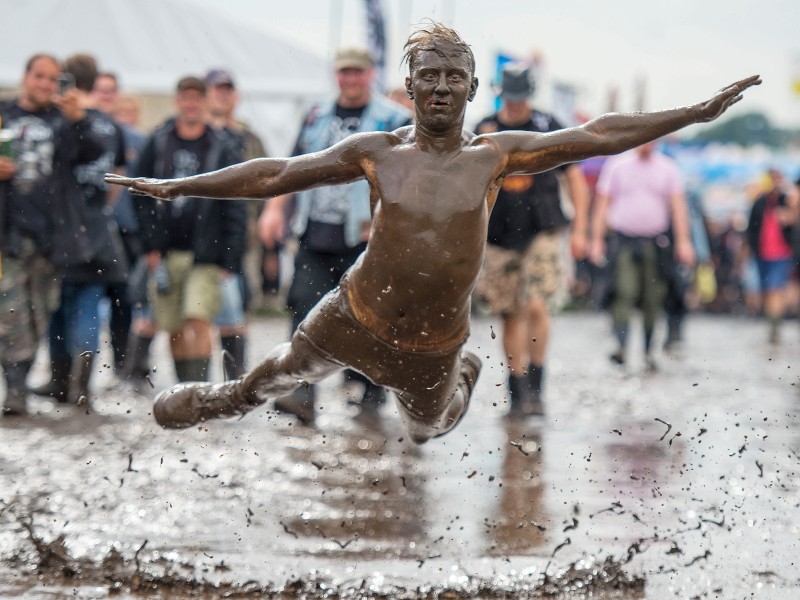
(66,81)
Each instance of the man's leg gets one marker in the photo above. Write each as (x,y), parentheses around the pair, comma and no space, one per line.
(19,328)
(290,365)
(232,325)
(201,300)
(627,282)
(422,424)
(653,290)
(83,338)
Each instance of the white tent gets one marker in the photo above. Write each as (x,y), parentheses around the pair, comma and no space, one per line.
(150,44)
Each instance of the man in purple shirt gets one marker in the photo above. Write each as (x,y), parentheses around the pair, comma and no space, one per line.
(641,206)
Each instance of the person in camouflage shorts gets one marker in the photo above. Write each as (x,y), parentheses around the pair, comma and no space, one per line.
(511,279)
(523,264)
(28,295)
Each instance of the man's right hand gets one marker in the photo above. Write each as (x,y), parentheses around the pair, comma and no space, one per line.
(166,189)
(597,252)
(7,168)
(272,224)
(722,100)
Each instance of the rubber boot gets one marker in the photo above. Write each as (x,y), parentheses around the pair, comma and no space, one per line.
(233,357)
(470,370)
(58,386)
(192,369)
(535,407)
(78,393)
(188,404)
(15,403)
(523,402)
(299,403)
(137,358)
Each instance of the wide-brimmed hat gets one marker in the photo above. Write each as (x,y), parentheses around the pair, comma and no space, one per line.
(516,83)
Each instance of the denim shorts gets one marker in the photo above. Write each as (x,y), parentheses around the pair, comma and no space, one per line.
(774,274)
(231,309)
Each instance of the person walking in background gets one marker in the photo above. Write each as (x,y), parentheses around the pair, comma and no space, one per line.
(46,134)
(524,265)
(769,238)
(681,276)
(192,244)
(331,223)
(231,322)
(74,331)
(640,198)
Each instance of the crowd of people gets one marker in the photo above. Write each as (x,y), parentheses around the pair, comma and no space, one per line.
(69,240)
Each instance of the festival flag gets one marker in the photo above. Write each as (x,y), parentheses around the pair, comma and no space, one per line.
(376,38)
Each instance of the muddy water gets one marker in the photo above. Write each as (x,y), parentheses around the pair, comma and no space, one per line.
(684,483)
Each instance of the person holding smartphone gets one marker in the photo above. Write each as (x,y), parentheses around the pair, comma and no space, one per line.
(48,136)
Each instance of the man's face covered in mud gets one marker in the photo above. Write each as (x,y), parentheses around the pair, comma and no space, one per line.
(441,84)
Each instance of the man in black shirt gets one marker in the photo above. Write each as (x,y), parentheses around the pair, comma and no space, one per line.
(523,267)
(45,135)
(192,244)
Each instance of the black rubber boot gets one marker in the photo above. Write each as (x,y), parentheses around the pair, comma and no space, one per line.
(535,386)
(137,358)
(299,403)
(15,403)
(233,358)
(192,369)
(79,380)
(58,386)
(523,402)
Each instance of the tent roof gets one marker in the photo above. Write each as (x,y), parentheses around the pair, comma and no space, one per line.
(150,44)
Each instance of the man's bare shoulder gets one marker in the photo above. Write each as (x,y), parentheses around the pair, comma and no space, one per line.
(506,141)
(374,141)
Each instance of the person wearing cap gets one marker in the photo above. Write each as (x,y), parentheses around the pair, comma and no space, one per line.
(192,244)
(331,223)
(231,321)
(524,265)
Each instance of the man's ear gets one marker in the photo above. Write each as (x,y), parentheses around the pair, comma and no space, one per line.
(409,89)
(473,88)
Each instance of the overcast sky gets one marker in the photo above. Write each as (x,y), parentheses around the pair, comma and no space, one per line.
(684,49)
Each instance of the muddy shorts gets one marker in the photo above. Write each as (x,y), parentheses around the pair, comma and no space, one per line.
(423,381)
(29,293)
(512,278)
(194,292)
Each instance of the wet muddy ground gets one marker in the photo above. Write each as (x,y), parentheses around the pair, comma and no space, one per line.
(682,483)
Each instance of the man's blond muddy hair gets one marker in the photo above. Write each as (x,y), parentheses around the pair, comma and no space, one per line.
(435,37)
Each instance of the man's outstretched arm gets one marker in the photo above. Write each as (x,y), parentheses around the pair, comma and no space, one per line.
(262,177)
(608,134)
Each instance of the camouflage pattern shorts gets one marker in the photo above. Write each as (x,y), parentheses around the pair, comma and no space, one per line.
(29,293)
(512,278)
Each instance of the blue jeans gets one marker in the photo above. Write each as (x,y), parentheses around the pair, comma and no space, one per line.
(75,326)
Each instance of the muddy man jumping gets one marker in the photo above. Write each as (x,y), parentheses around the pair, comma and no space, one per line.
(401,314)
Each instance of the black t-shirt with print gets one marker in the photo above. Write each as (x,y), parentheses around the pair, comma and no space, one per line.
(526,204)
(90,176)
(183,158)
(33,136)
